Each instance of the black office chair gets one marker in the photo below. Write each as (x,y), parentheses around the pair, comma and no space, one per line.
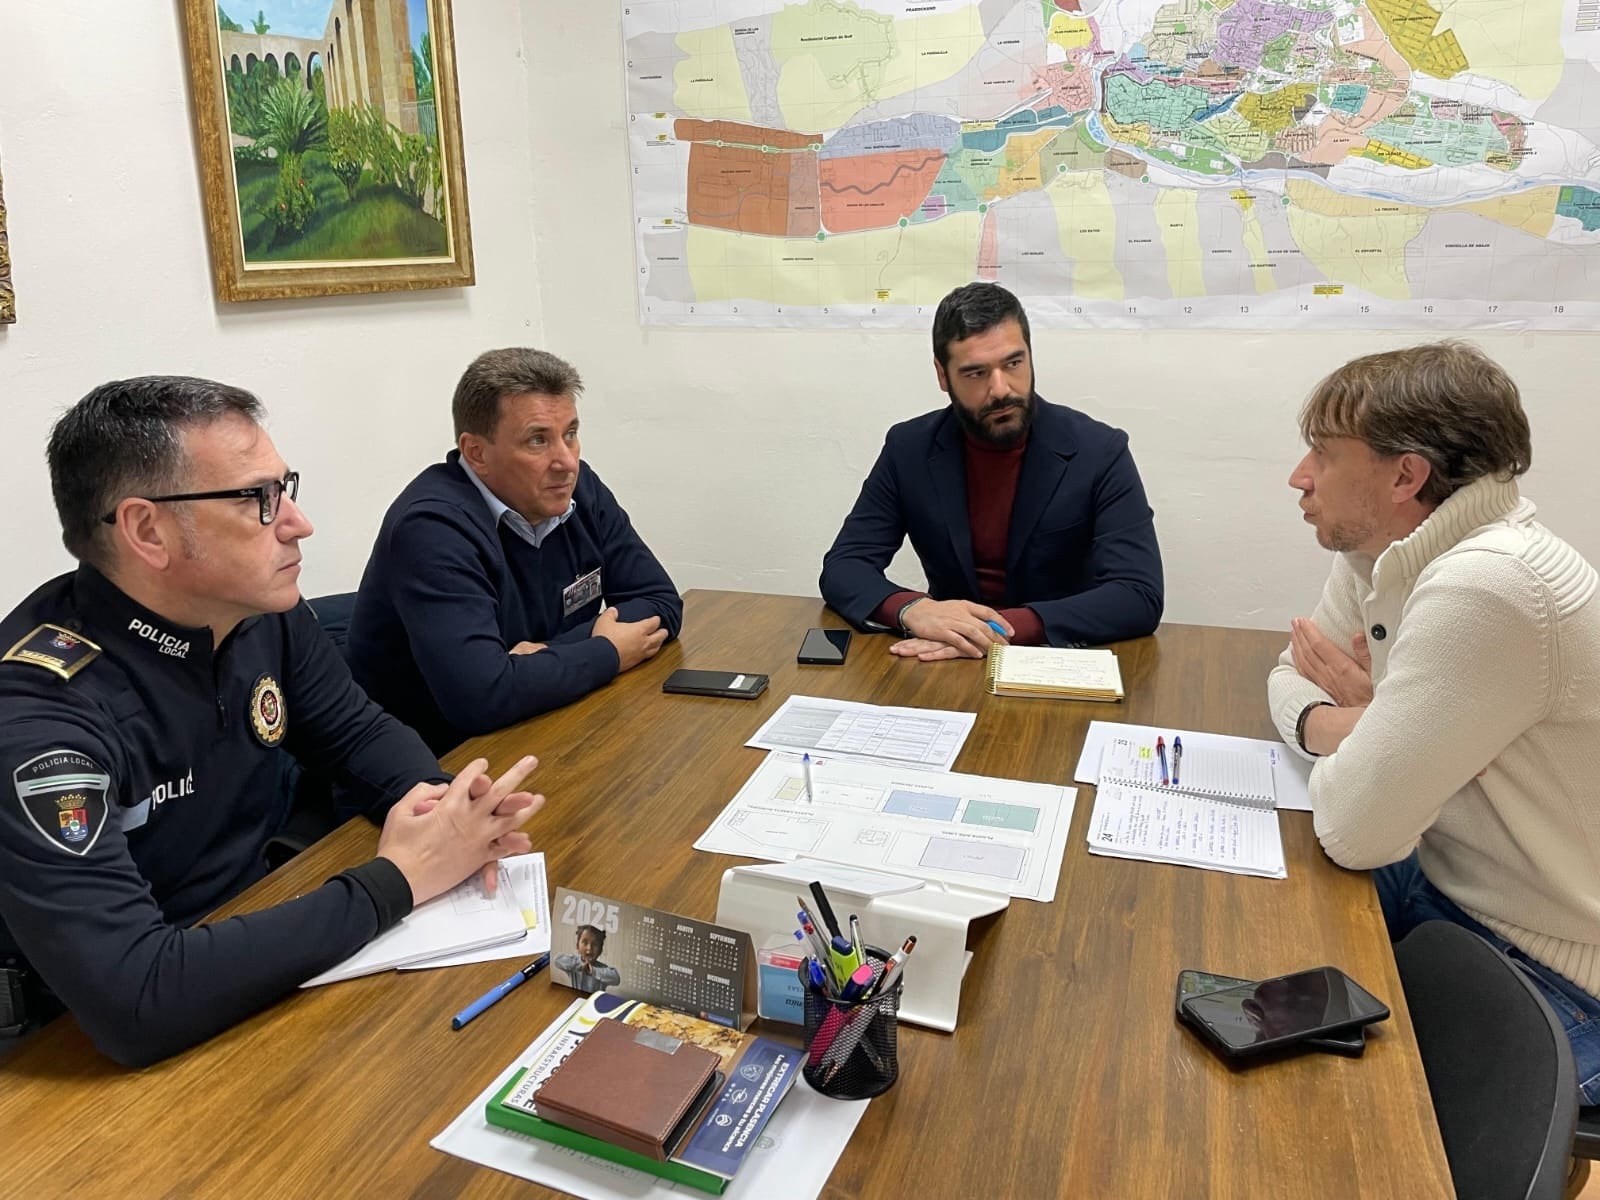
(308,795)
(1585,1143)
(1498,1062)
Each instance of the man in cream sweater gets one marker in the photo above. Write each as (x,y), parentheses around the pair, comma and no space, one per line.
(1448,682)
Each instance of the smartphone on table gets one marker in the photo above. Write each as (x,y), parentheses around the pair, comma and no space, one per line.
(1323,1007)
(734,685)
(824,647)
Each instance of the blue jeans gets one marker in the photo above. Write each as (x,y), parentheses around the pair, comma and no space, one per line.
(1408,900)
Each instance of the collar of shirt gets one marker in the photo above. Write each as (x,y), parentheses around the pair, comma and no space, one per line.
(520,525)
(140,634)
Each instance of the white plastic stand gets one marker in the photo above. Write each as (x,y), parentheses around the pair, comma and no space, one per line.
(761,901)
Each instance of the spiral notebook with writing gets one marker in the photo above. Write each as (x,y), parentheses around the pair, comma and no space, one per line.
(1242,777)
(1068,674)
(1164,826)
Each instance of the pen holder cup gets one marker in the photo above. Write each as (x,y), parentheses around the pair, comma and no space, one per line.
(853,1047)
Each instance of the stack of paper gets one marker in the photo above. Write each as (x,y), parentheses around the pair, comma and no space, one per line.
(1067,674)
(464,925)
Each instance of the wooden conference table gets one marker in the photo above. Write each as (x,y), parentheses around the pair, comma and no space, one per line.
(1067,1075)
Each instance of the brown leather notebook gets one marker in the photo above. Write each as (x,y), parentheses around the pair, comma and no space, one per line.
(628,1086)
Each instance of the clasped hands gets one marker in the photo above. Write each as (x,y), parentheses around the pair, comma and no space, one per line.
(437,834)
(950,629)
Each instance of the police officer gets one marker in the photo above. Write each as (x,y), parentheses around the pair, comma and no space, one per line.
(143,701)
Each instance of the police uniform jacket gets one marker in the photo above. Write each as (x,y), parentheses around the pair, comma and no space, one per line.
(143,771)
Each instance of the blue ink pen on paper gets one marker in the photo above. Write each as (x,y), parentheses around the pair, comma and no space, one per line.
(1177,758)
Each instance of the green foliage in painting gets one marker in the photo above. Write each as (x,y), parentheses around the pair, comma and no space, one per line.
(422,68)
(347,157)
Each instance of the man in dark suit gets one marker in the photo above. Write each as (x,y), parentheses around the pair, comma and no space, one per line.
(1029,518)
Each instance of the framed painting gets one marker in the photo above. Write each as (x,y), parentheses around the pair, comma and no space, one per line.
(329,139)
(8,298)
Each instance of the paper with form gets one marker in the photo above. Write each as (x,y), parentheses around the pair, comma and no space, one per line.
(1190,831)
(996,835)
(525,874)
(464,918)
(1291,774)
(929,738)
(1243,776)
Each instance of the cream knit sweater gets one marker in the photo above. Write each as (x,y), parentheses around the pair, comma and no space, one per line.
(1485,639)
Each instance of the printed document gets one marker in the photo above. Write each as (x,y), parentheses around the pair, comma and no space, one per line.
(929,738)
(996,835)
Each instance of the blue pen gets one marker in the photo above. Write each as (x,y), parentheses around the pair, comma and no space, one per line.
(495,994)
(818,980)
(1177,758)
(996,626)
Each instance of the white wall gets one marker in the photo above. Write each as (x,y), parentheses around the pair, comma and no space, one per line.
(112,277)
(737,453)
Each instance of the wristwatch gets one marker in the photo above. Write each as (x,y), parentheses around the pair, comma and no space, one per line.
(900,617)
(1300,725)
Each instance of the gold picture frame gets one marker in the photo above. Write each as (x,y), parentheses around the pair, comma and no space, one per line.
(8,297)
(331,164)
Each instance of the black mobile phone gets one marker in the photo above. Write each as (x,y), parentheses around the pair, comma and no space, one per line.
(734,685)
(1201,983)
(826,647)
(1255,1018)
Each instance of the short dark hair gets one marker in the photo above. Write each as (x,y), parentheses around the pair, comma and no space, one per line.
(1446,401)
(974,308)
(599,936)
(125,439)
(514,371)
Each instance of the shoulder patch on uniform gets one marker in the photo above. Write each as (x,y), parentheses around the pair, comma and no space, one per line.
(57,650)
(63,794)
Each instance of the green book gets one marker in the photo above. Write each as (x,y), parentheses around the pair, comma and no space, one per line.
(518,1121)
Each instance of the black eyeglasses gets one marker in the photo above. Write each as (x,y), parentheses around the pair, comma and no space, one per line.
(268,495)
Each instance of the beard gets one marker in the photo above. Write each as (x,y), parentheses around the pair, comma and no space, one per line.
(976,424)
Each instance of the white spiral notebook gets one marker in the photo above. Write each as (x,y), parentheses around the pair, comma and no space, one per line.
(1192,831)
(1237,776)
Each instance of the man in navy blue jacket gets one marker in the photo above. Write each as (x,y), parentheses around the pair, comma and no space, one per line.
(506,580)
(1029,518)
(146,703)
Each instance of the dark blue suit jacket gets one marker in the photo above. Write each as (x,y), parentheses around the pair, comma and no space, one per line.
(1082,548)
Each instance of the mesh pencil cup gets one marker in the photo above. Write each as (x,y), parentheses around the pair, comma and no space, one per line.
(852,1047)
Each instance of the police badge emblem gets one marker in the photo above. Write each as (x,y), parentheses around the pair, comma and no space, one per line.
(63,795)
(267,715)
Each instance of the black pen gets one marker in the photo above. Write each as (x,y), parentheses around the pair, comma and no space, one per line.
(826,909)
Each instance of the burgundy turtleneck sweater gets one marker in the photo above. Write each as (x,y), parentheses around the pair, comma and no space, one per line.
(991,489)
